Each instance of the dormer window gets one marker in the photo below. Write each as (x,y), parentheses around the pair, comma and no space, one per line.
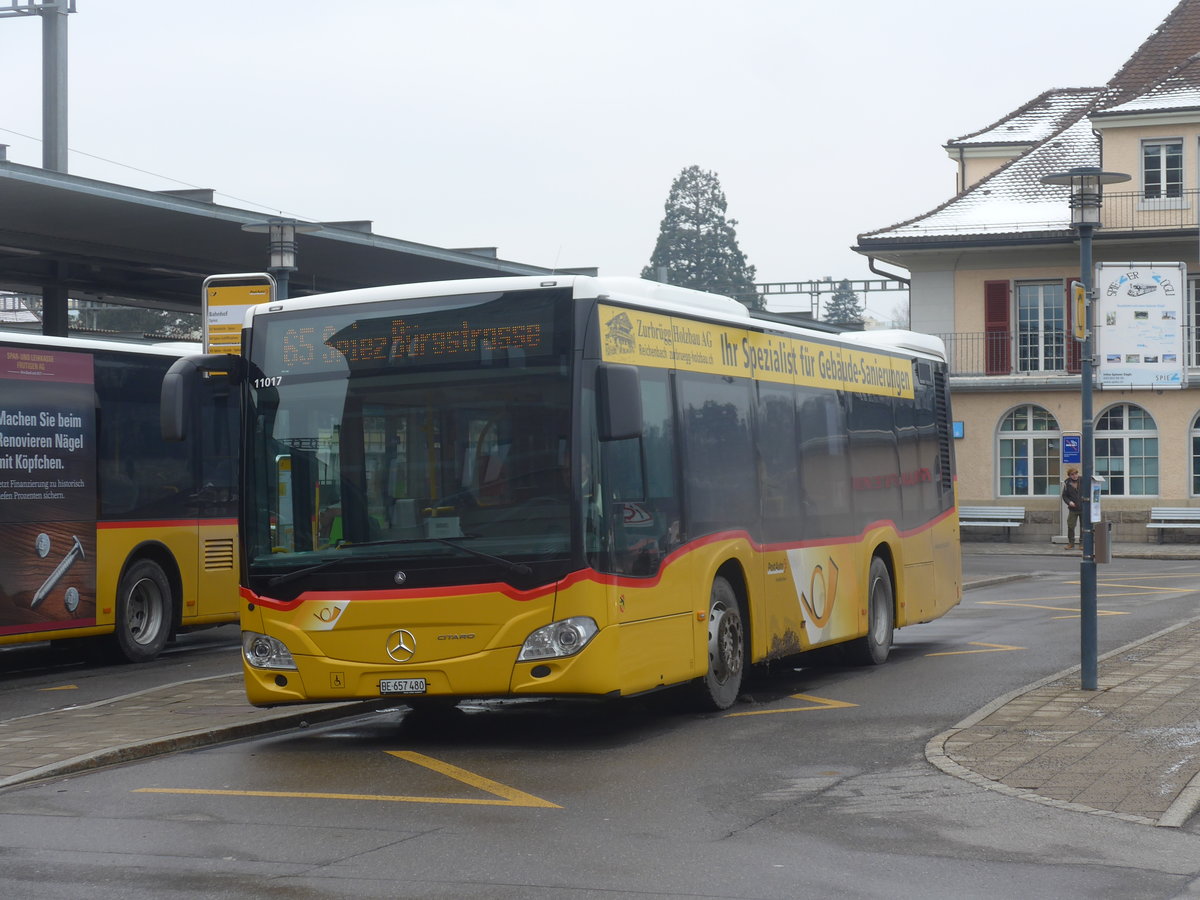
(1162,169)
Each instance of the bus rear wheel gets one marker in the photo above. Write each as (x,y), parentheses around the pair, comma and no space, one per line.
(144,612)
(719,687)
(873,648)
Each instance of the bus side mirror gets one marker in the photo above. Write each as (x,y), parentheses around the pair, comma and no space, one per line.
(178,394)
(619,402)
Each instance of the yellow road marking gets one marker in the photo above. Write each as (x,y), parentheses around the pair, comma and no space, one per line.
(1074,612)
(506,796)
(514,796)
(1141,589)
(822,703)
(1164,575)
(1024,604)
(1144,588)
(990,648)
(62,687)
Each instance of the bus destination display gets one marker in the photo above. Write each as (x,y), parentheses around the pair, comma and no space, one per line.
(361,339)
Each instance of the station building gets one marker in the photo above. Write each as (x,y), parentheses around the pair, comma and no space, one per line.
(991,270)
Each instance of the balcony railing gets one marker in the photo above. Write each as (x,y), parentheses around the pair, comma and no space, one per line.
(1122,211)
(1133,211)
(1045,353)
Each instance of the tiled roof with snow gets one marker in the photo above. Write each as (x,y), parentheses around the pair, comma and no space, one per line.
(1162,75)
(1178,91)
(1035,121)
(1169,46)
(1011,200)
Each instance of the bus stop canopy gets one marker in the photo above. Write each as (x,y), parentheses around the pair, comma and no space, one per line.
(64,236)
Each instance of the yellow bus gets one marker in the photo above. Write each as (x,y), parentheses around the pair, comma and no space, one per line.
(576,486)
(107,531)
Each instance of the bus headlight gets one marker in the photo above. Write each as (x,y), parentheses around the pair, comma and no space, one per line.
(264,652)
(564,638)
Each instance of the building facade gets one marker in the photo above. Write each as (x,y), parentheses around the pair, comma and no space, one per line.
(991,270)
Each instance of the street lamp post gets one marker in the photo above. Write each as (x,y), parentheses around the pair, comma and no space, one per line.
(281,233)
(1087,187)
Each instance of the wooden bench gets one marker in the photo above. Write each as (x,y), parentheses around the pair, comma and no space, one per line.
(1006,517)
(1173,517)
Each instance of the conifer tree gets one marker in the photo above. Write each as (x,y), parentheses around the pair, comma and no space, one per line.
(844,307)
(697,246)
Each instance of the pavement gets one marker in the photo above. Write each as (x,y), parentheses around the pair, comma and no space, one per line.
(1129,750)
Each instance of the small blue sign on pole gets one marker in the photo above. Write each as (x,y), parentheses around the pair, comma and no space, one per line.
(1072,448)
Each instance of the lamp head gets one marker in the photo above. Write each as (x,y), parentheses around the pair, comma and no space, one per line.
(1087,190)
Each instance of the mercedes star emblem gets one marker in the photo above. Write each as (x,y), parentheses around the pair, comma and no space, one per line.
(401,645)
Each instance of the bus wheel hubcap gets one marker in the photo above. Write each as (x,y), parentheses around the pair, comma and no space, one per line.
(724,644)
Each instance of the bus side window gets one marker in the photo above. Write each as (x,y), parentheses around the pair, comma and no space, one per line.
(783,505)
(721,482)
(640,478)
(824,469)
(144,473)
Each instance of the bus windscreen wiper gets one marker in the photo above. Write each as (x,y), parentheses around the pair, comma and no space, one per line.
(297,573)
(519,568)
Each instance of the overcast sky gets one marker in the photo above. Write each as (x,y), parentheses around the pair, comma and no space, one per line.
(552,129)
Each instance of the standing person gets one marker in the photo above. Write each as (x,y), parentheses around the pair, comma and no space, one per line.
(1074,501)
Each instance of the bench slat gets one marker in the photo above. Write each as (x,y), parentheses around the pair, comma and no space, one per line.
(1173,517)
(1006,517)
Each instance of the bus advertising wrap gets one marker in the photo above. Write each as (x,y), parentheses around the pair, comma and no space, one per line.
(47,489)
(646,339)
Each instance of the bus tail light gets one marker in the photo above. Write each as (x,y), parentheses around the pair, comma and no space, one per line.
(263,652)
(565,638)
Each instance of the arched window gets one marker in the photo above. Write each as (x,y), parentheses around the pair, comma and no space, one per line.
(1028,453)
(1196,457)
(1127,451)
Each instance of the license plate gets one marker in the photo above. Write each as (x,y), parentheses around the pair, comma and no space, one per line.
(402,686)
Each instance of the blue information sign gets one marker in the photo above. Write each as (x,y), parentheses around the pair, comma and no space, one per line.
(1072,449)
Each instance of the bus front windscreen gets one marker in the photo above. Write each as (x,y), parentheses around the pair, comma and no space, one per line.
(432,434)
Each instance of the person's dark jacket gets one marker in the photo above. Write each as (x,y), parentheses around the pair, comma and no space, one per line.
(1071,495)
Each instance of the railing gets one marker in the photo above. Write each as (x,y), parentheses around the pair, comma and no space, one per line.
(996,353)
(1003,353)
(1122,211)
(1133,211)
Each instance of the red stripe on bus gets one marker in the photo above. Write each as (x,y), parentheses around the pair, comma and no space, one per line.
(582,575)
(497,587)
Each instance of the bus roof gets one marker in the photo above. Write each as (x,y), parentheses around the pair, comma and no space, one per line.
(652,295)
(156,348)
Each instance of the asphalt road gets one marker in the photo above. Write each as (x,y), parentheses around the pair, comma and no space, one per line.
(814,785)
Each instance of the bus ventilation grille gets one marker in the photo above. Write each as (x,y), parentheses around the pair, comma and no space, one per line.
(218,554)
(941,401)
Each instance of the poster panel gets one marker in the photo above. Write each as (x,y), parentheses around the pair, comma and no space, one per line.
(226,299)
(47,489)
(1139,324)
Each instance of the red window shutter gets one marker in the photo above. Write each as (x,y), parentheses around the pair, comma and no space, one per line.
(1073,346)
(997,338)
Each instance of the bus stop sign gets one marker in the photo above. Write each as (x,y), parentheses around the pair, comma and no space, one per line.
(1072,448)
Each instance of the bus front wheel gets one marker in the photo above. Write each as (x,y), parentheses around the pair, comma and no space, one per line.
(144,612)
(726,648)
(873,648)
